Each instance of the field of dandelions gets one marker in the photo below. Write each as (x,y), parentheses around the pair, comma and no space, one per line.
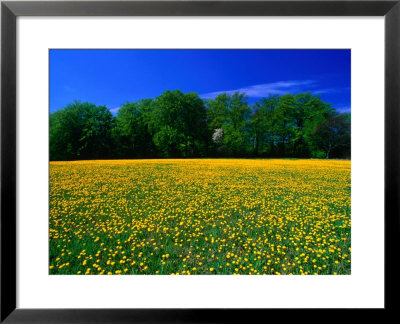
(200,217)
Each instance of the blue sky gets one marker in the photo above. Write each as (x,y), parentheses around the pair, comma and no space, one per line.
(114,77)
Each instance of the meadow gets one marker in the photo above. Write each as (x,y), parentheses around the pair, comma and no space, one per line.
(200,217)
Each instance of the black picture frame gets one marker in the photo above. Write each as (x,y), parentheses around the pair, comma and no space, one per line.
(10,10)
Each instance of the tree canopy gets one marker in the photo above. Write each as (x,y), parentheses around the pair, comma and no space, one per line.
(177,124)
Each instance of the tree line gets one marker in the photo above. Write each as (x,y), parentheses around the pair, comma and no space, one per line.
(182,125)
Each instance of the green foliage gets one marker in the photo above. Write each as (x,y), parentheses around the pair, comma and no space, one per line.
(169,141)
(262,125)
(231,113)
(131,132)
(318,154)
(333,135)
(217,111)
(180,124)
(176,124)
(80,131)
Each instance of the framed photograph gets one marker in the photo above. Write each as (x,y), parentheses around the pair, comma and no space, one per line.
(186,161)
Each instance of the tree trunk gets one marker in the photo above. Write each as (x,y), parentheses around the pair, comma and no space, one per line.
(328,151)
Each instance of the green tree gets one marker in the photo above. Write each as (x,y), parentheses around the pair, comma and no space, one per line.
(181,117)
(231,113)
(80,131)
(132,131)
(169,141)
(218,111)
(262,125)
(310,111)
(176,124)
(283,123)
(333,135)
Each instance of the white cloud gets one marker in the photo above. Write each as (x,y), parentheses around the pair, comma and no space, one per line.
(343,109)
(330,90)
(265,89)
(114,110)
